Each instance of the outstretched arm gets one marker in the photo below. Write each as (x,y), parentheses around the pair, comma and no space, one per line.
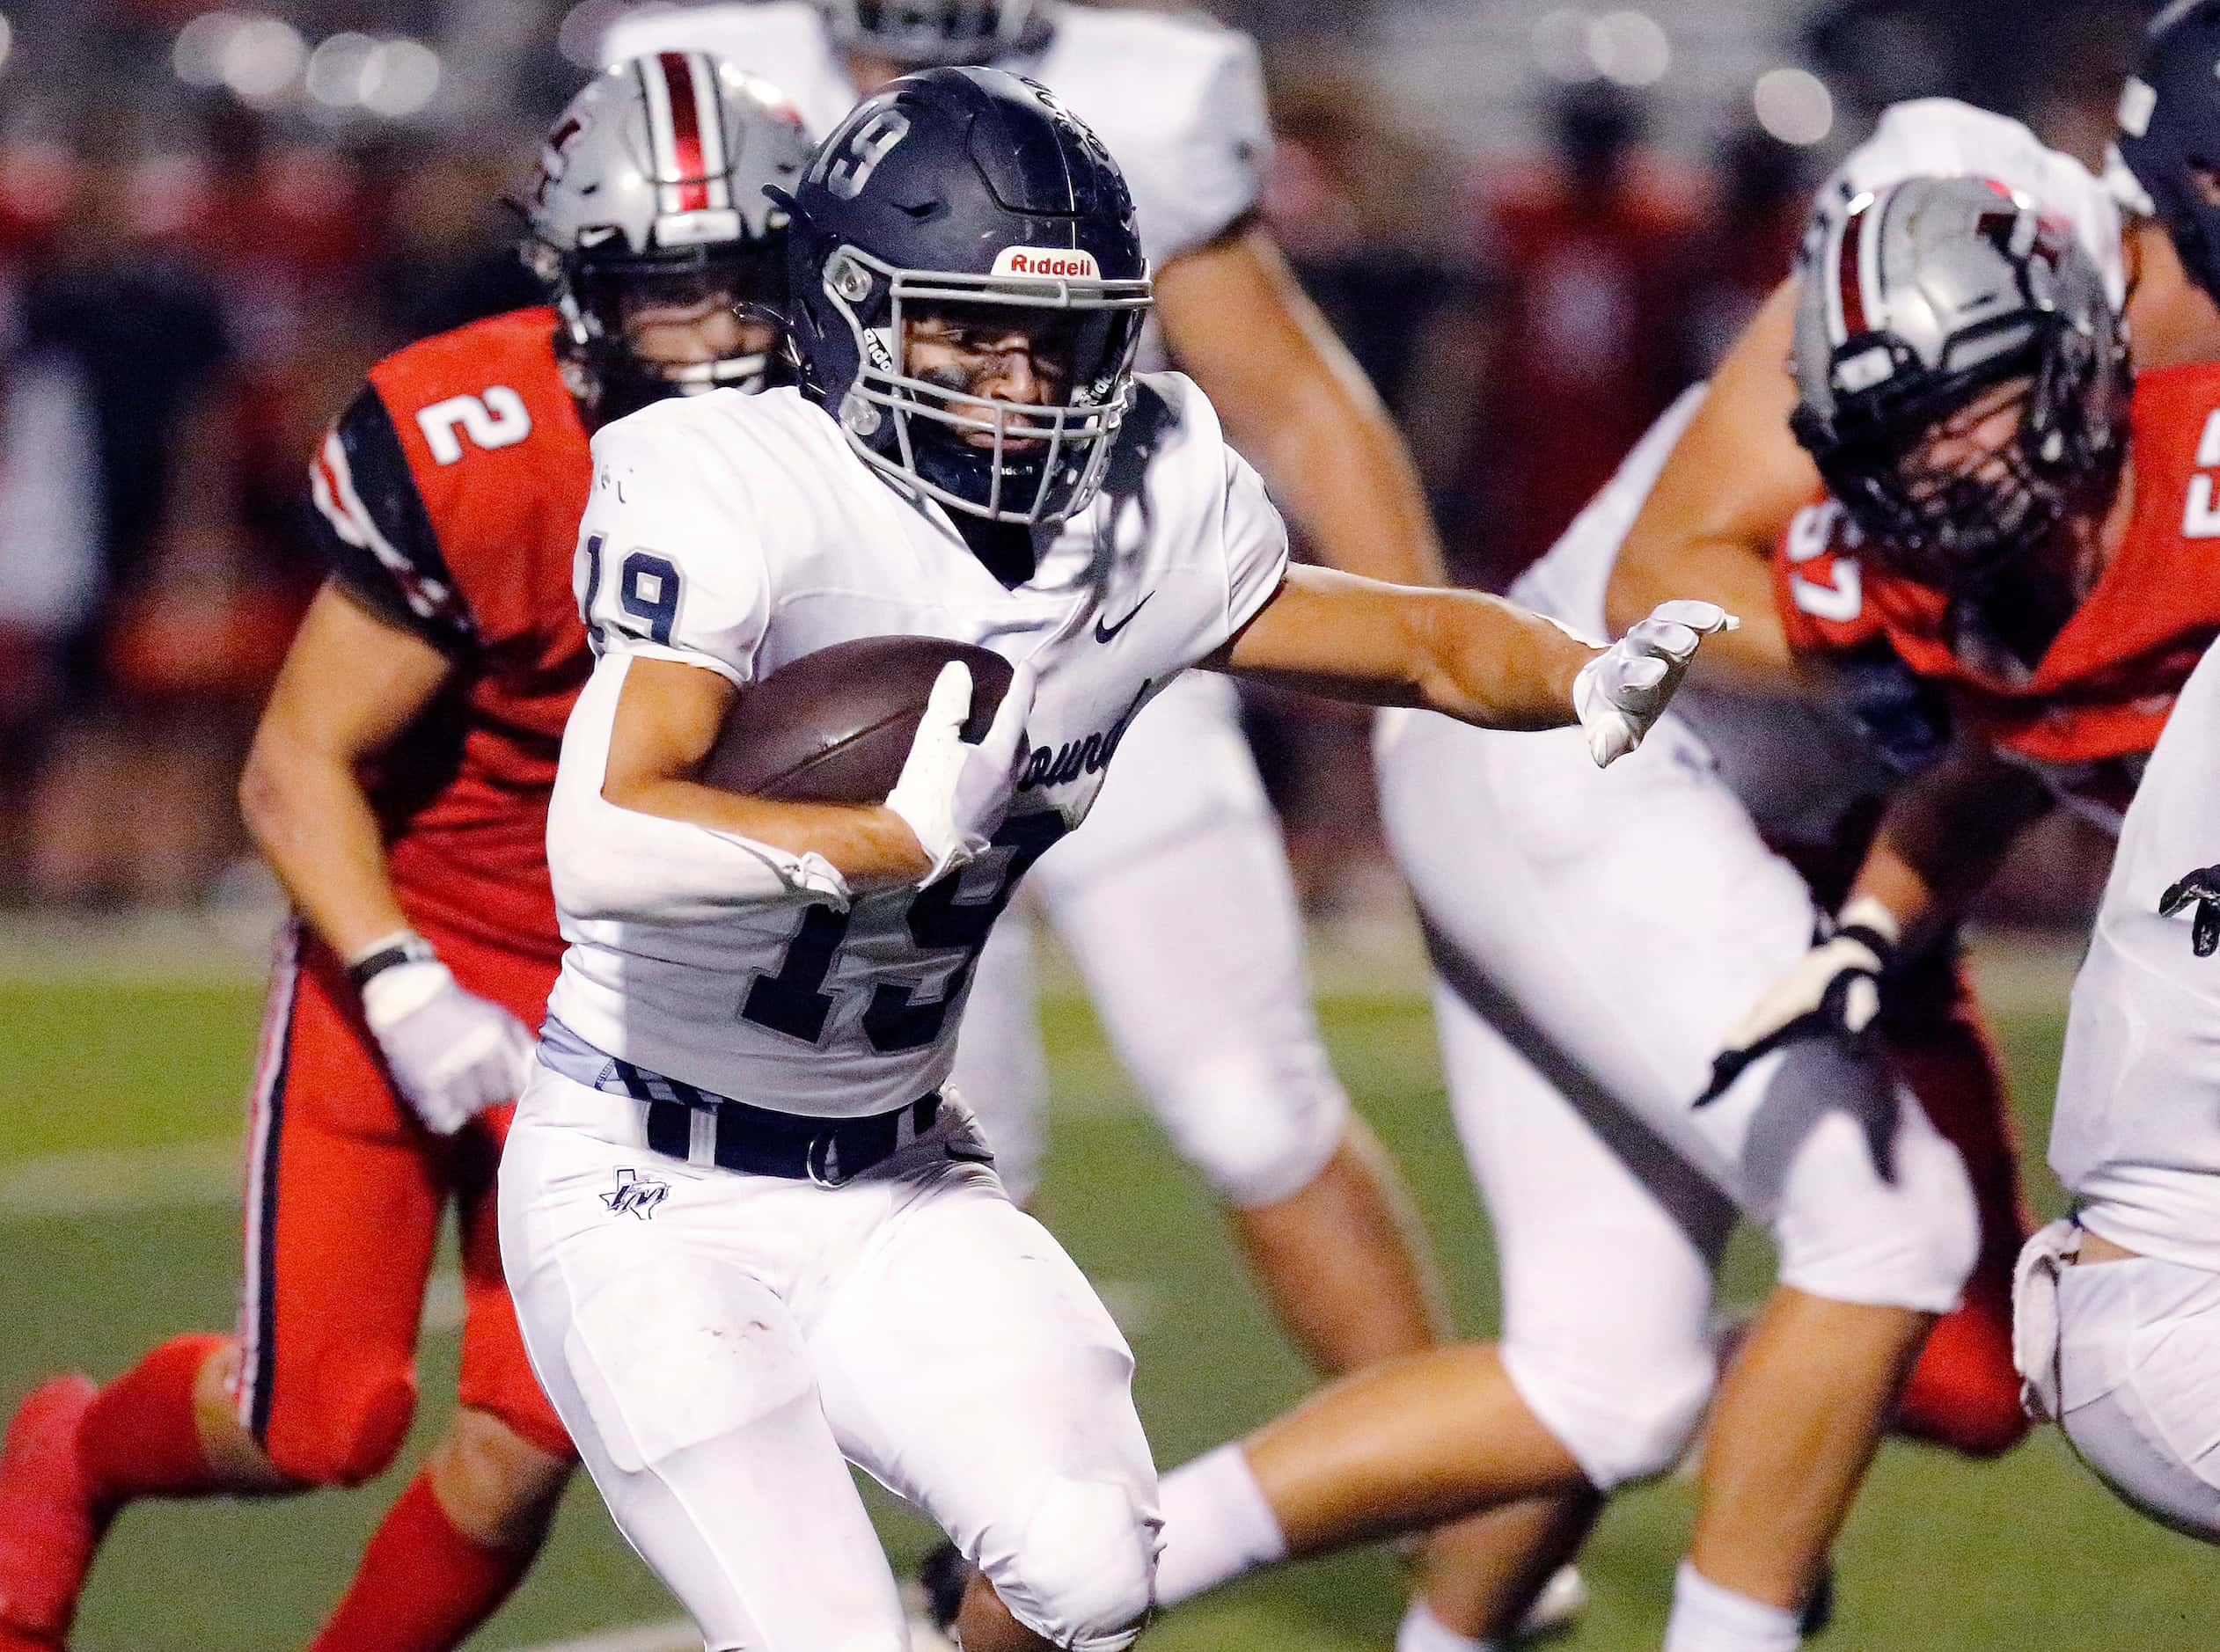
(1945,835)
(1473,656)
(1466,654)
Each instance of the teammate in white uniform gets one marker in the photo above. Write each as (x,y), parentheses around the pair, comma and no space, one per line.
(1177,906)
(2125,1356)
(737,1202)
(2118,1304)
(1572,1059)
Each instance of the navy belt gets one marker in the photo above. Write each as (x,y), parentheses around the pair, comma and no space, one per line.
(702,1128)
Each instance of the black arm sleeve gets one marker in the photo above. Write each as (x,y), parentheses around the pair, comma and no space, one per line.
(373,534)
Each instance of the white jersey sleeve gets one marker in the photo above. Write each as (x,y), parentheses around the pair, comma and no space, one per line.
(1179,103)
(671,563)
(1941,137)
(667,569)
(1256,542)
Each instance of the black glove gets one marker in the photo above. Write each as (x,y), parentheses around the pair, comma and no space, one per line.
(1832,991)
(2202,887)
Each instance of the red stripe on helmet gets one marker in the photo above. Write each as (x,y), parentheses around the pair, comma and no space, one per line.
(685,132)
(1847,284)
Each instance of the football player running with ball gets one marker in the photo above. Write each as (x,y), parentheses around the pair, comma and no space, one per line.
(398,785)
(738,1201)
(1178,905)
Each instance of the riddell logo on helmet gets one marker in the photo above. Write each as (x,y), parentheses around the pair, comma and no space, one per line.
(1077,265)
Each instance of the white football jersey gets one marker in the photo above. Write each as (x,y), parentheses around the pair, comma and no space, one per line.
(1178,101)
(738,533)
(2137,1133)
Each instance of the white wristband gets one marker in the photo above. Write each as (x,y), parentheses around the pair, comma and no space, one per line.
(1867,911)
(394,994)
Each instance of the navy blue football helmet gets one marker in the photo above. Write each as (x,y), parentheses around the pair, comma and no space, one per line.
(2169,132)
(969,197)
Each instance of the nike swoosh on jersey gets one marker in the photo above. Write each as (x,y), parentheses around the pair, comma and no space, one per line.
(1103,633)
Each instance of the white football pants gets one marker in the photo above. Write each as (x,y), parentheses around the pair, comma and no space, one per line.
(1596,935)
(1176,900)
(2125,1356)
(721,1351)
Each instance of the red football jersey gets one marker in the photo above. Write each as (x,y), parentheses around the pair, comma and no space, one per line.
(2102,691)
(448,497)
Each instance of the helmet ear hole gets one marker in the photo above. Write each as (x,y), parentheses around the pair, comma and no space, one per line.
(849,279)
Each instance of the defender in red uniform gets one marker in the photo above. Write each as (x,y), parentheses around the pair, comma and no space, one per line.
(399,785)
(2030,547)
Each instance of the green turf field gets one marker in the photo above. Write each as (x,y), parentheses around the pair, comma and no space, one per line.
(100,1256)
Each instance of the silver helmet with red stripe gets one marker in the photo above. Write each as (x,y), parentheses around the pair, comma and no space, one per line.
(649,226)
(1962,380)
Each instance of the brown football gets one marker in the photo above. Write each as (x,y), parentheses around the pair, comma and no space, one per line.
(834,726)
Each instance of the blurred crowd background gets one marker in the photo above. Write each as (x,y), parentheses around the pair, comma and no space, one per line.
(1531,221)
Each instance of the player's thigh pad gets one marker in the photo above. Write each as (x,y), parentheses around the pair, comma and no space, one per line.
(1606,1245)
(966,1363)
(1623,922)
(1191,945)
(1001,1072)
(685,1381)
(2132,1347)
(328,1325)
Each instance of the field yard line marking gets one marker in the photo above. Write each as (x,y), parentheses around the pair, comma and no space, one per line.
(677,1636)
(177,1176)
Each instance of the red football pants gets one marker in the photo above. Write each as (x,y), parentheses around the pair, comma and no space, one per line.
(344,1196)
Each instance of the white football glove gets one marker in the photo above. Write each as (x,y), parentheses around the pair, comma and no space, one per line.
(1623,689)
(452,1053)
(1834,990)
(952,794)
